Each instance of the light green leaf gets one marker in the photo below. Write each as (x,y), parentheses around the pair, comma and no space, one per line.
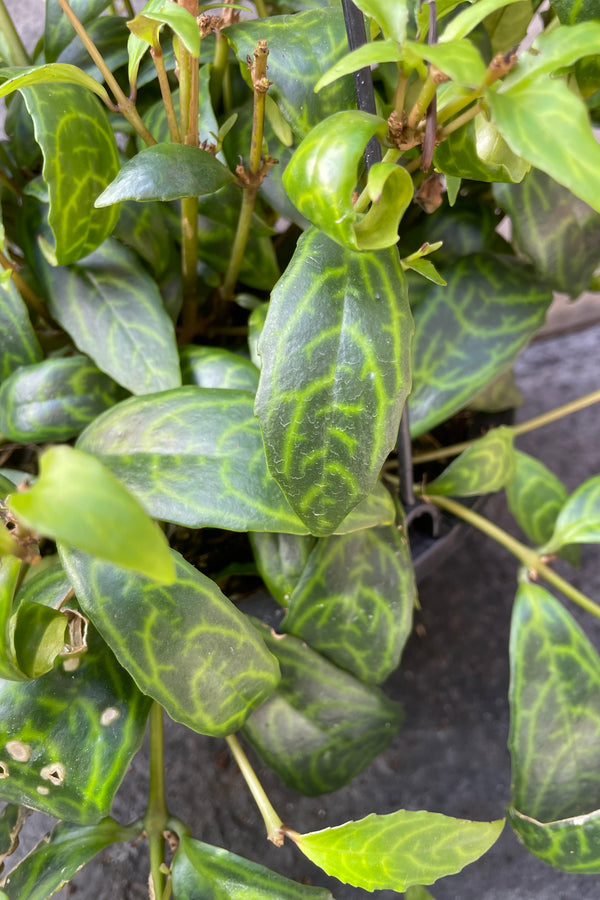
(460,60)
(390,15)
(54,400)
(354,601)
(212,873)
(185,645)
(556,49)
(52,73)
(10,575)
(470,17)
(579,520)
(166,172)
(334,376)
(484,467)
(76,500)
(8,545)
(417,892)
(208,467)
(479,152)
(280,559)
(367,55)
(179,20)
(80,159)
(60,855)
(321,726)
(18,342)
(535,497)
(403,848)
(143,33)
(215,367)
(40,634)
(570,844)
(529,116)
(508,26)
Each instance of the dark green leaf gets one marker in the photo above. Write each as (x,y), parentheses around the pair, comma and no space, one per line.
(484,467)
(185,645)
(58,31)
(530,115)
(145,228)
(10,574)
(479,152)
(321,727)
(40,635)
(210,873)
(469,332)
(335,363)
(214,367)
(113,311)
(571,11)
(109,33)
(556,230)
(80,159)
(579,520)
(555,49)
(12,819)
(68,737)
(354,601)
(207,468)
(281,559)
(166,172)
(554,697)
(18,342)
(55,399)
(508,26)
(399,849)
(535,497)
(78,501)
(571,844)
(301,47)
(60,855)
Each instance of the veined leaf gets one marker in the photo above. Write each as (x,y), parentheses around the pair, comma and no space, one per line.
(186,645)
(578,522)
(80,159)
(334,376)
(76,500)
(530,115)
(60,855)
(354,601)
(321,726)
(469,18)
(212,873)
(394,851)
(570,844)
(146,229)
(391,17)
(463,337)
(280,559)
(367,55)
(479,152)
(484,467)
(554,50)
(535,497)
(18,342)
(55,399)
(166,172)
(460,60)
(51,73)
(58,31)
(214,367)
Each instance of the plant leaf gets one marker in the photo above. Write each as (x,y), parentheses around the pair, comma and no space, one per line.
(187,646)
(571,844)
(366,55)
(200,870)
(321,727)
(479,152)
(578,522)
(76,500)
(535,497)
(556,49)
(508,26)
(460,60)
(280,559)
(530,115)
(554,695)
(179,20)
(58,31)
(354,601)
(10,574)
(60,855)
(166,172)
(215,367)
(55,399)
(463,337)
(399,849)
(391,17)
(571,11)
(470,17)
(335,350)
(18,342)
(80,159)
(40,635)
(484,467)
(52,73)
(557,231)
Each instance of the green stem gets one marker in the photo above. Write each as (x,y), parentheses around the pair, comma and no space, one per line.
(391,156)
(155,820)
(165,90)
(17,54)
(218,70)
(272,821)
(535,565)
(461,120)
(425,97)
(546,418)
(457,106)
(261,9)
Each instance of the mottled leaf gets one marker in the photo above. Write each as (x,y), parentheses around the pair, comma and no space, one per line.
(321,727)
(195,456)
(555,49)
(301,47)
(535,497)
(18,343)
(354,601)
(557,231)
(53,73)
(55,399)
(215,367)
(579,520)
(571,844)
(335,356)
(280,559)
(484,467)
(58,31)
(470,331)
(403,848)
(200,870)
(78,501)
(479,152)
(186,645)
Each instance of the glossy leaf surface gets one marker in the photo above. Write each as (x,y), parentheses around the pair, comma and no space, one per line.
(68,737)
(464,335)
(195,456)
(57,858)
(215,367)
(366,55)
(321,726)
(570,844)
(484,467)
(80,159)
(10,573)
(470,17)
(555,49)
(55,399)
(554,696)
(479,152)
(535,497)
(166,172)
(58,31)
(391,17)
(335,373)
(40,635)
(18,343)
(200,870)
(403,848)
(354,601)
(460,60)
(579,520)
(53,73)
(185,645)
(179,19)
(281,559)
(76,500)
(557,231)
